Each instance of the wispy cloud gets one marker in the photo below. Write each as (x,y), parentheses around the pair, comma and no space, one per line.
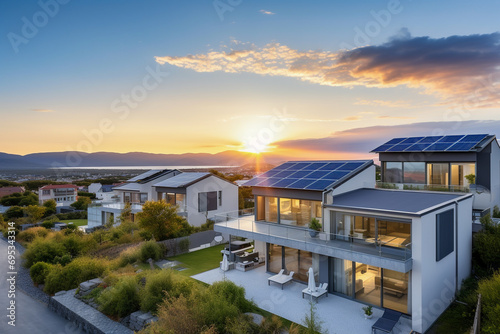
(266,12)
(394,117)
(459,69)
(352,118)
(42,110)
(362,140)
(385,103)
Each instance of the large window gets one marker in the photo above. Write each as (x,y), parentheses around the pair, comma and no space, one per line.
(342,276)
(394,234)
(298,212)
(414,172)
(444,234)
(143,197)
(207,201)
(459,171)
(395,290)
(438,174)
(267,209)
(127,197)
(393,172)
(180,200)
(292,259)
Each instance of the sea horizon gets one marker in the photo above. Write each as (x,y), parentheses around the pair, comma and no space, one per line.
(141,167)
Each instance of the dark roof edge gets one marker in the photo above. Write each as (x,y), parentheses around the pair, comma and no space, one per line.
(346,178)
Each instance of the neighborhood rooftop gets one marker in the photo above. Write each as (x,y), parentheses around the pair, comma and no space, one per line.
(309,175)
(182,180)
(150,175)
(59,186)
(453,143)
(396,201)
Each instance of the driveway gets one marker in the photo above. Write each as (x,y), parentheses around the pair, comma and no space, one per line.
(32,316)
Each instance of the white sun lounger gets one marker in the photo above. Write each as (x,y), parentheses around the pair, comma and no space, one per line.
(280,278)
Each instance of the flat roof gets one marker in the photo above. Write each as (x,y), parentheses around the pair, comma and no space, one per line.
(183,180)
(410,202)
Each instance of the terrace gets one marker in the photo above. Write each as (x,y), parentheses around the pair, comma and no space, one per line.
(390,254)
(339,315)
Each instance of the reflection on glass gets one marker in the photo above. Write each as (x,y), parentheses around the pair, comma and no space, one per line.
(394,234)
(261,208)
(414,172)
(271,209)
(180,200)
(342,276)
(274,259)
(395,290)
(458,173)
(393,172)
(368,283)
(298,212)
(171,198)
(437,174)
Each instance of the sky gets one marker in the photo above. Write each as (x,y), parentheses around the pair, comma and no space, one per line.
(322,79)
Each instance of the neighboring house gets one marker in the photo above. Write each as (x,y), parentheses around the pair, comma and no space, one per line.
(6,191)
(102,192)
(63,194)
(199,196)
(403,250)
(442,163)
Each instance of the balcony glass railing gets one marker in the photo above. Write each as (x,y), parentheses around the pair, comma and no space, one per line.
(243,220)
(472,188)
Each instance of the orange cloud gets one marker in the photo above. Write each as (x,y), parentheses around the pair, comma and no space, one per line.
(459,69)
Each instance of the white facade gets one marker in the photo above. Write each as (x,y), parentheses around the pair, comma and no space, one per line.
(227,199)
(94,188)
(64,195)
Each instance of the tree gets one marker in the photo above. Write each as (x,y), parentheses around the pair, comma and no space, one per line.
(50,207)
(14,212)
(34,213)
(81,203)
(160,219)
(29,198)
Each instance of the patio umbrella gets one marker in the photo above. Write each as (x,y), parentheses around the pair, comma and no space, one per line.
(225,264)
(311,284)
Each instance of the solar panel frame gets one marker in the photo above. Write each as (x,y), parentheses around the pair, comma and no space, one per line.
(473,138)
(395,141)
(418,147)
(301,183)
(335,175)
(450,139)
(284,166)
(461,146)
(383,148)
(301,165)
(350,166)
(319,185)
(411,140)
(438,147)
(430,139)
(267,182)
(399,148)
(283,183)
(318,174)
(314,166)
(331,166)
(300,174)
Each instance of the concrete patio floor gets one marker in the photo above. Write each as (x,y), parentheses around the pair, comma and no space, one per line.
(339,315)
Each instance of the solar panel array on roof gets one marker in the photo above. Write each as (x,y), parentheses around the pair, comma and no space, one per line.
(144,175)
(454,143)
(181,180)
(307,175)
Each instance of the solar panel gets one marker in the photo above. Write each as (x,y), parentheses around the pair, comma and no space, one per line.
(430,139)
(432,143)
(300,174)
(395,141)
(472,138)
(461,146)
(411,140)
(301,165)
(253,181)
(267,182)
(283,183)
(399,148)
(315,166)
(438,147)
(318,174)
(269,173)
(350,166)
(285,173)
(284,166)
(332,166)
(301,184)
(417,147)
(319,185)
(450,139)
(335,175)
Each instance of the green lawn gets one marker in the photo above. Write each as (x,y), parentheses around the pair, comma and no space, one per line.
(77,222)
(199,261)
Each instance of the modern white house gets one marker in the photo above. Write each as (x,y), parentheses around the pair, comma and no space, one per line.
(104,192)
(444,163)
(63,194)
(199,196)
(396,249)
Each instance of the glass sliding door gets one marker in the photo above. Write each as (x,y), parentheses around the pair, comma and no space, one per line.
(414,172)
(342,276)
(393,172)
(368,283)
(394,234)
(438,174)
(274,259)
(395,290)
(459,171)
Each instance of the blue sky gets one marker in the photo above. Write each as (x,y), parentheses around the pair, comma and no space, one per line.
(62,81)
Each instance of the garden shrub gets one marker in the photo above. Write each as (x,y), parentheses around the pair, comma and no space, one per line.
(490,293)
(30,234)
(48,224)
(158,284)
(39,272)
(43,250)
(120,299)
(69,277)
(150,249)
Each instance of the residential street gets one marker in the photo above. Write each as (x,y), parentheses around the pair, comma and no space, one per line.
(31,315)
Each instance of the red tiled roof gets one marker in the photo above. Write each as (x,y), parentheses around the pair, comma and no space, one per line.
(59,186)
(6,191)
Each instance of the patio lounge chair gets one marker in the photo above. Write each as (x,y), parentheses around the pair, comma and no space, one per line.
(386,324)
(280,278)
(322,290)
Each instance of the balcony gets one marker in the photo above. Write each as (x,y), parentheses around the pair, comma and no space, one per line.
(373,252)
(115,205)
(473,188)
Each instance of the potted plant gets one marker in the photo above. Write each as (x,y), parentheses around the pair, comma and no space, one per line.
(314,227)
(368,311)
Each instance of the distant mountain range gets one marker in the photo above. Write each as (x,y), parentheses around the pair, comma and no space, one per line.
(105,159)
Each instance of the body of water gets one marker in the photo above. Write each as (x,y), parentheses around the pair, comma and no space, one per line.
(145,167)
